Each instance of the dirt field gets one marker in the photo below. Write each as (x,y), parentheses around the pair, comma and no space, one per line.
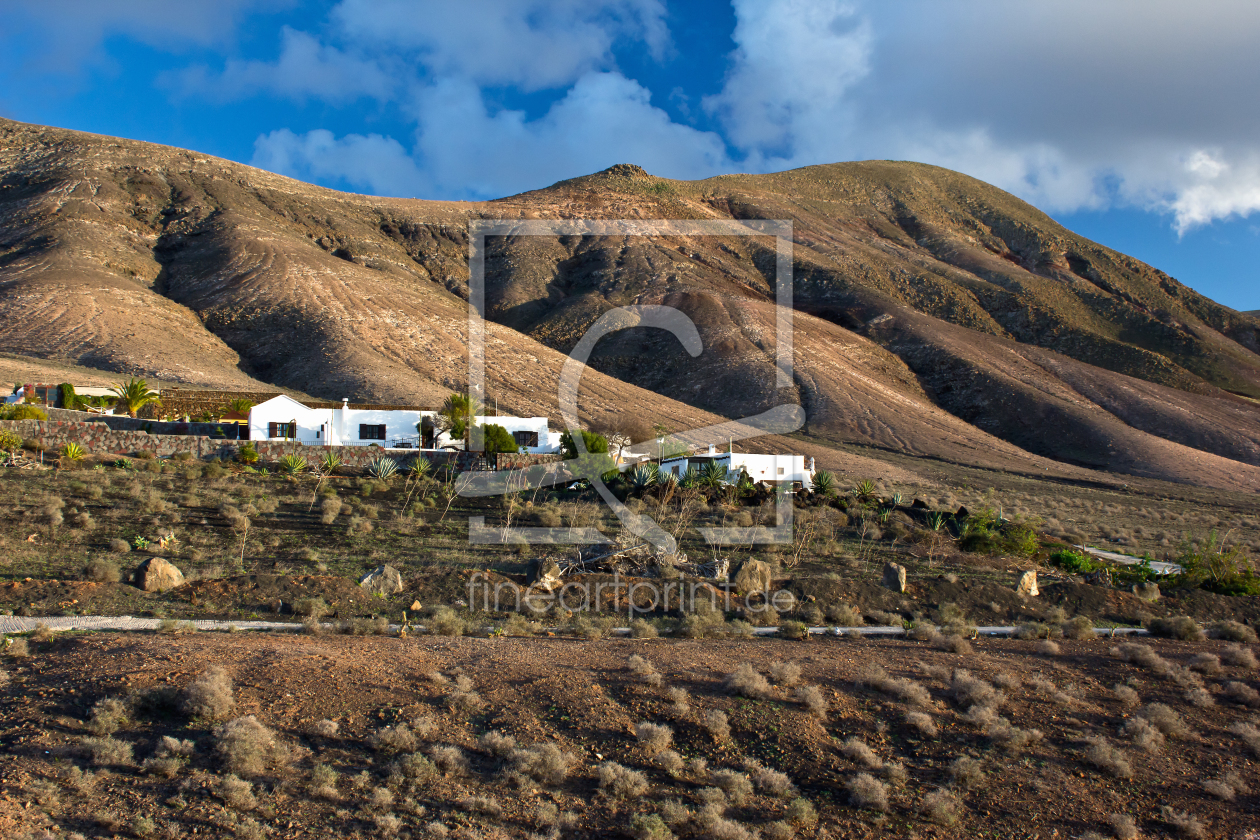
(582,698)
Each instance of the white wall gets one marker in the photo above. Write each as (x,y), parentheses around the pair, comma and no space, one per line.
(312,423)
(400,426)
(758,467)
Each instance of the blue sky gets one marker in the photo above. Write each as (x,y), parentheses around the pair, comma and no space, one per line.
(1133,122)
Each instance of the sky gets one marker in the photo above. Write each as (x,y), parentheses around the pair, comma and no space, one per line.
(1133,122)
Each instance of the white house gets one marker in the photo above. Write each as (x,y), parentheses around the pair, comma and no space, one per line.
(772,469)
(387,426)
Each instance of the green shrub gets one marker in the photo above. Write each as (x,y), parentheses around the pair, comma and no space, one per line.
(1073,562)
(72,452)
(247,454)
(22,412)
(794,630)
(824,483)
(9,441)
(383,468)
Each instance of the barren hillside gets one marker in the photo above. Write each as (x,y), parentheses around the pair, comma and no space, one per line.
(936,315)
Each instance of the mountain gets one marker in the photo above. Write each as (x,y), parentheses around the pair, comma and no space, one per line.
(935,315)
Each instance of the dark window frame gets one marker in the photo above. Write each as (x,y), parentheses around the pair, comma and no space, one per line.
(525,438)
(371,431)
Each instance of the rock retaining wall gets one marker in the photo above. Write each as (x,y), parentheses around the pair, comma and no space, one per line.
(98,438)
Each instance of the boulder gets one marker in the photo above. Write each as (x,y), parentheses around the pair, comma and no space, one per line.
(1102,577)
(383,580)
(895,577)
(158,575)
(721,569)
(753,576)
(1028,584)
(1146,591)
(544,574)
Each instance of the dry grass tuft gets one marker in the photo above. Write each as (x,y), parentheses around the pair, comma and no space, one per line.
(715,721)
(546,764)
(1165,720)
(1122,826)
(811,697)
(966,772)
(1207,664)
(1233,631)
(1181,627)
(1048,648)
(1242,693)
(1126,695)
(497,744)
(748,682)
(107,751)
(210,697)
(786,674)
(866,791)
(923,723)
(906,690)
(680,702)
(449,759)
(393,739)
(108,716)
(1249,734)
(644,670)
(737,786)
(1183,823)
(654,737)
(941,807)
(248,748)
(619,782)
(769,781)
(1101,754)
(1226,787)
(1237,656)
(236,793)
(1080,627)
(1144,735)
(856,750)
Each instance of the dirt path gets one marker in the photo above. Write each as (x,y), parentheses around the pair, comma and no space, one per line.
(1158,567)
(18,624)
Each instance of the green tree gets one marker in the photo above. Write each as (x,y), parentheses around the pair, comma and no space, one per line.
(69,399)
(458,416)
(240,405)
(595,444)
(21,411)
(498,439)
(135,395)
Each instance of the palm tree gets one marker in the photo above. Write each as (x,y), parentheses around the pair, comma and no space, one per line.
(135,395)
(240,405)
(458,415)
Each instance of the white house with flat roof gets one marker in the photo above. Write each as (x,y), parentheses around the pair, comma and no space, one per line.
(772,469)
(387,426)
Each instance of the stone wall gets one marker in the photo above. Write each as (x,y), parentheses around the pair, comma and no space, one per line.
(178,402)
(123,423)
(98,438)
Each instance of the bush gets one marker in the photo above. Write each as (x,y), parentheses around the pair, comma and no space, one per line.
(1165,720)
(1182,822)
(1106,757)
(650,827)
(1242,693)
(786,674)
(866,791)
(923,723)
(210,697)
(108,716)
(1180,627)
(119,546)
(1122,826)
(1075,563)
(966,772)
(1232,631)
(618,782)
(640,629)
(248,748)
(1239,657)
(797,630)
(941,807)
(737,786)
(446,622)
(811,697)
(237,793)
(747,682)
(1079,627)
(393,739)
(102,570)
(107,751)
(654,737)
(312,607)
(546,764)
(715,721)
(17,648)
(1144,735)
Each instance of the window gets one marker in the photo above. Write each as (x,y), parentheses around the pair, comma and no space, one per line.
(368,431)
(282,430)
(780,470)
(674,469)
(525,438)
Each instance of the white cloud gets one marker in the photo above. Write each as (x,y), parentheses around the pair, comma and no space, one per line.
(604,119)
(532,44)
(376,164)
(305,69)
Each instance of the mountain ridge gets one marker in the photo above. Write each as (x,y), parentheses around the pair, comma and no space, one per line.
(935,314)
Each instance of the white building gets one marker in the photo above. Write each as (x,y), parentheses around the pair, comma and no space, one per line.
(387,426)
(772,469)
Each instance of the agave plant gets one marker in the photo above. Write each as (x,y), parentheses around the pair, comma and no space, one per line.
(936,520)
(293,464)
(72,452)
(691,478)
(420,468)
(712,474)
(383,468)
(643,477)
(329,462)
(865,489)
(824,483)
(897,499)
